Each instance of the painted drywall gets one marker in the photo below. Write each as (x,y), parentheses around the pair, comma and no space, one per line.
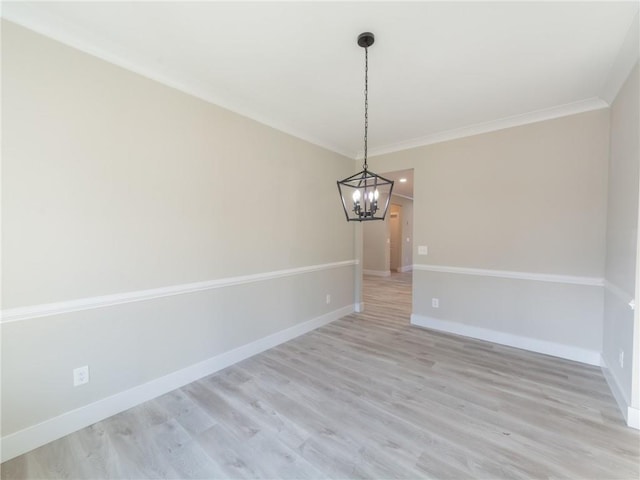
(376,247)
(525,199)
(407,230)
(136,185)
(114,183)
(622,239)
(376,235)
(544,311)
(395,237)
(131,344)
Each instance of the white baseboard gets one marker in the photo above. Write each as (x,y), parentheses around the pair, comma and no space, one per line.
(630,414)
(406,268)
(633,418)
(358,307)
(37,435)
(377,273)
(568,352)
(615,388)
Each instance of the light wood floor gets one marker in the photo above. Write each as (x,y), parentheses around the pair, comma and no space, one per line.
(367,396)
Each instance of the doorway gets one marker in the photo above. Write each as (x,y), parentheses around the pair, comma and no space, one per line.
(387,249)
(395,237)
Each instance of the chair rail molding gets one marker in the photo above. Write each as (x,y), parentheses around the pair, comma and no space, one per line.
(67,306)
(539,277)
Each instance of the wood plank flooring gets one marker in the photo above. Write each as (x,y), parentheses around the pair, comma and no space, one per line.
(367,396)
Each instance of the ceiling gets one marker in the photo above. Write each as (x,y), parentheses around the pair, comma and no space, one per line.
(404,189)
(437,69)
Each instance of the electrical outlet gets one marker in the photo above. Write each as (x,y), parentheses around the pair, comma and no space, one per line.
(435,302)
(621,358)
(80,375)
(328,298)
(423,250)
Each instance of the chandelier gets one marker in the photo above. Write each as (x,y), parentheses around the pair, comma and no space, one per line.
(365,195)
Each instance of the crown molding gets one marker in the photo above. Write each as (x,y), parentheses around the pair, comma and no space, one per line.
(30,17)
(587,105)
(626,59)
(25,15)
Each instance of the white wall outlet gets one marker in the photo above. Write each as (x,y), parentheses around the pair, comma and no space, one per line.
(621,358)
(423,250)
(435,302)
(328,298)
(80,375)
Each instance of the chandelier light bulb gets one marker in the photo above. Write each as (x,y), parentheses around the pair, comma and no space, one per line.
(365,184)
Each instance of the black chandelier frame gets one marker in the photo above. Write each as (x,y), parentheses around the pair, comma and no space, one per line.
(365,196)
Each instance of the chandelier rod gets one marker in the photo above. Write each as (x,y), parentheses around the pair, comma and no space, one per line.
(365,195)
(366,102)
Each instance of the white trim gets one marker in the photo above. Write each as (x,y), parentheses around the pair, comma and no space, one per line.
(624,62)
(44,310)
(568,352)
(587,105)
(614,386)
(377,273)
(28,16)
(630,414)
(359,307)
(539,277)
(37,435)
(633,418)
(618,292)
(406,268)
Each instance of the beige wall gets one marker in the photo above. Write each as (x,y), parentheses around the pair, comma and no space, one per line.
(136,185)
(530,198)
(115,183)
(376,236)
(407,229)
(526,199)
(376,252)
(622,237)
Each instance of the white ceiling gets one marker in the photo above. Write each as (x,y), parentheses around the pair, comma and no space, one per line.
(436,70)
(404,189)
